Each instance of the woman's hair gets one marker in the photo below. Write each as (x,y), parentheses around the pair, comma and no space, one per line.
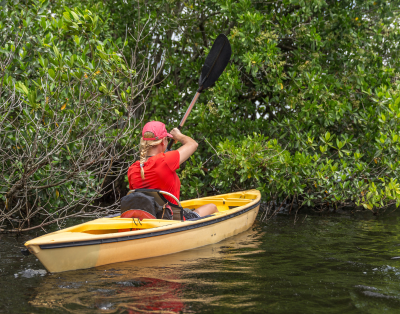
(144,147)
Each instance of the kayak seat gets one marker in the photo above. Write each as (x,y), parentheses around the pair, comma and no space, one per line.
(147,203)
(136,213)
(162,206)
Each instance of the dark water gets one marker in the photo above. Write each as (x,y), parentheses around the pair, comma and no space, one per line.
(323,264)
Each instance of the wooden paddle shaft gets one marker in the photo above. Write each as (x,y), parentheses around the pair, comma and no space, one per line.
(171,142)
(189,110)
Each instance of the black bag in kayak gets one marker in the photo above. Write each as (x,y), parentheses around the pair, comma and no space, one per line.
(146,203)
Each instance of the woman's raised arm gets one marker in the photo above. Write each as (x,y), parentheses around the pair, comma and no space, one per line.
(188,147)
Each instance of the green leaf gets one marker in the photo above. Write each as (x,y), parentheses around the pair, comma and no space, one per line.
(76,17)
(23,88)
(327,136)
(56,52)
(67,16)
(52,73)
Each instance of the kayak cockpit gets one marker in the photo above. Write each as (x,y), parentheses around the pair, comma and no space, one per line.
(112,226)
(117,224)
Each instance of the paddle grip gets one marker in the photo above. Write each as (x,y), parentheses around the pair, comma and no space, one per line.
(171,141)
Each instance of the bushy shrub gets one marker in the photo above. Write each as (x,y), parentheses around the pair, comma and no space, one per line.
(70,105)
(316,81)
(307,109)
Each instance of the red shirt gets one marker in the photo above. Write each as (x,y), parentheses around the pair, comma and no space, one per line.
(159,173)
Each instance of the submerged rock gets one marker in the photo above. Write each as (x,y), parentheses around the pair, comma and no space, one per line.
(377,295)
(366,287)
(132,283)
(29,273)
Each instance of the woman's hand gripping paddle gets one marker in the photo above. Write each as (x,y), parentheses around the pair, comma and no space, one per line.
(215,64)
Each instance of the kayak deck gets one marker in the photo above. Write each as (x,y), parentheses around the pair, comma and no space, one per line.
(100,241)
(113,225)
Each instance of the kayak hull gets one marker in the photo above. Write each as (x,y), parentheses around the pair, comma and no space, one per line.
(64,250)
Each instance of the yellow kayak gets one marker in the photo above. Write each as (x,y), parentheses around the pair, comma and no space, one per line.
(100,241)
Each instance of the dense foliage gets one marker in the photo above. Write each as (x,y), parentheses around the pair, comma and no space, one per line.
(307,109)
(68,103)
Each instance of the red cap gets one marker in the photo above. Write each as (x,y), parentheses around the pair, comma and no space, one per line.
(157,128)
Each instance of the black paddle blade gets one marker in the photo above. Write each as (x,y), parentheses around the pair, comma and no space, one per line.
(215,63)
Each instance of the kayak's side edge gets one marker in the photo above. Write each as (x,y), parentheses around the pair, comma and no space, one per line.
(147,235)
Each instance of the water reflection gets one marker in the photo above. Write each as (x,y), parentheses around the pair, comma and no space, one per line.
(145,286)
(322,265)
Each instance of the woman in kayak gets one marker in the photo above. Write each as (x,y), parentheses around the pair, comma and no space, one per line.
(157,170)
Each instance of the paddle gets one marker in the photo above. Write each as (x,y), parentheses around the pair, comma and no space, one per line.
(215,64)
